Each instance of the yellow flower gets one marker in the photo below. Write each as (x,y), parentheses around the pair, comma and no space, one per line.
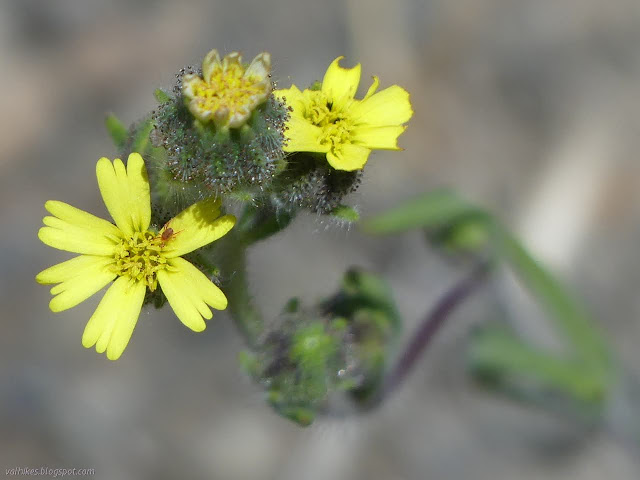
(136,257)
(228,91)
(332,121)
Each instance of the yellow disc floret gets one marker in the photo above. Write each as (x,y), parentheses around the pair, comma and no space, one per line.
(140,258)
(228,91)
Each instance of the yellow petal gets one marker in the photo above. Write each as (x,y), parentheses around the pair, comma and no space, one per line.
(293,97)
(140,200)
(66,237)
(77,289)
(388,107)
(105,314)
(127,320)
(209,64)
(125,192)
(259,68)
(349,157)
(302,136)
(177,292)
(231,59)
(80,218)
(200,284)
(189,84)
(75,267)
(197,226)
(372,88)
(113,322)
(384,138)
(340,84)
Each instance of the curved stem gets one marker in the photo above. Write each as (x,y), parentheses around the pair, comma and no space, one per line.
(430,326)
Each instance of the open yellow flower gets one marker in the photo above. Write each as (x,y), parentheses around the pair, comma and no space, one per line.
(228,91)
(332,121)
(132,254)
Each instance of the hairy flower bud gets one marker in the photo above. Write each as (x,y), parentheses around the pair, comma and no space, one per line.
(340,347)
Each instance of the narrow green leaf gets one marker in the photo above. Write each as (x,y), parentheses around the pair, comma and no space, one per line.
(117,131)
(345,213)
(433,210)
(566,313)
(495,352)
(141,138)
(161,95)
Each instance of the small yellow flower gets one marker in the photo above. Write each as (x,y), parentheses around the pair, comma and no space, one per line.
(332,121)
(136,257)
(228,91)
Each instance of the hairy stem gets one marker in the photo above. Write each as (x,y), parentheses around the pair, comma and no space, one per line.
(235,285)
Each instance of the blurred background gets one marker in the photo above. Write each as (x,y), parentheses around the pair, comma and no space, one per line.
(531,109)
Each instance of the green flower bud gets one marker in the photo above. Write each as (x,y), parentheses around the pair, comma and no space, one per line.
(318,355)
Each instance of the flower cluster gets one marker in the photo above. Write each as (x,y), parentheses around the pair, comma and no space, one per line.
(222,137)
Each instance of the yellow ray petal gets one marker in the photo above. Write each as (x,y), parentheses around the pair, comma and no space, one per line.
(230,60)
(80,218)
(196,226)
(131,304)
(302,136)
(349,158)
(76,267)
(340,84)
(140,200)
(259,68)
(125,192)
(293,97)
(210,63)
(383,138)
(81,231)
(176,291)
(75,290)
(73,239)
(199,283)
(388,107)
(112,324)
(105,314)
(115,192)
(372,88)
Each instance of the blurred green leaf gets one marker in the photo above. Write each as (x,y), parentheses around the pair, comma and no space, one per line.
(495,353)
(117,131)
(345,213)
(141,138)
(585,372)
(161,95)
(433,210)
(568,315)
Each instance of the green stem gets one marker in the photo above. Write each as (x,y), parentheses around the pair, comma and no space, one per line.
(233,265)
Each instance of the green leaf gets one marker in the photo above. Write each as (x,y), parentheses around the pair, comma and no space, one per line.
(141,138)
(567,314)
(497,353)
(117,131)
(345,213)
(433,210)
(161,95)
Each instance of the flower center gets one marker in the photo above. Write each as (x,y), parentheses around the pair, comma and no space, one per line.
(336,124)
(140,258)
(228,89)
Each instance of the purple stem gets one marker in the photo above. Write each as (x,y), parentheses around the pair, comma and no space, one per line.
(430,326)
